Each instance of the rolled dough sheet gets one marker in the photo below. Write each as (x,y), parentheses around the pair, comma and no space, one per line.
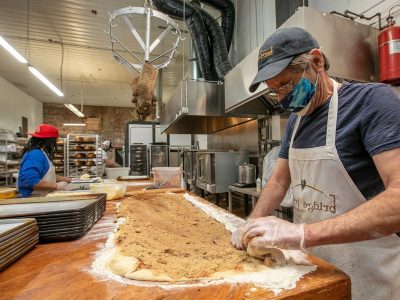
(166,238)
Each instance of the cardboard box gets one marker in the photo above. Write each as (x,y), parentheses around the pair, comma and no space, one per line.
(94,124)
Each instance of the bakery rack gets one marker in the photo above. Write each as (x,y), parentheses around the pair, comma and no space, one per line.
(82,155)
(9,156)
(60,157)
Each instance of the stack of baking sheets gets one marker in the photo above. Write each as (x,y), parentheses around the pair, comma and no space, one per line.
(17,236)
(58,218)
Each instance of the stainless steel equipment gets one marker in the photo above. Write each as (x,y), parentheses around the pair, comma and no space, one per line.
(139,159)
(158,155)
(218,170)
(197,107)
(350,47)
(189,167)
(247,173)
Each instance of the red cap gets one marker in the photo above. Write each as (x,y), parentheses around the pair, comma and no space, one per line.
(45,131)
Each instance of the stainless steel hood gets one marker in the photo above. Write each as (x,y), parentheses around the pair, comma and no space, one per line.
(351,49)
(197,107)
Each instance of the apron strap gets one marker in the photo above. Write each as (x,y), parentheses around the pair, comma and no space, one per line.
(48,159)
(296,126)
(332,117)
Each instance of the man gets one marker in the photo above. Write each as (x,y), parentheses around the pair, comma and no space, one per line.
(106,146)
(341,157)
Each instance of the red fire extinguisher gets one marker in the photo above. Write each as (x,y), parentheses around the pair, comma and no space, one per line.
(389,53)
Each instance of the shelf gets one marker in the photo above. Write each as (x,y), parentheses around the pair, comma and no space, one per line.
(8,142)
(85,143)
(82,151)
(10,163)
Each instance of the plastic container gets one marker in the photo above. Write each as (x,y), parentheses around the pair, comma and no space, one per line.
(114,173)
(258,184)
(6,193)
(113,190)
(167,177)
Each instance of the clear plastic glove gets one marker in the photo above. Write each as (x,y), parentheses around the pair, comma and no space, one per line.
(236,238)
(237,235)
(274,232)
(62,185)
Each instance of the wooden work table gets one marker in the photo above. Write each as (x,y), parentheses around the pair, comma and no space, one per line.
(62,271)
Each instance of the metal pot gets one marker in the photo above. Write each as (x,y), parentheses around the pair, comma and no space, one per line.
(247,173)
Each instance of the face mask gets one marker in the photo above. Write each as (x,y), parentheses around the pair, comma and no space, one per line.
(300,96)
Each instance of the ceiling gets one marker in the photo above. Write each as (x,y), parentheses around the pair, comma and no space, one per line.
(89,71)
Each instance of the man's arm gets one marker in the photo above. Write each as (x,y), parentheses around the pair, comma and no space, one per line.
(275,190)
(376,218)
(62,178)
(110,163)
(45,185)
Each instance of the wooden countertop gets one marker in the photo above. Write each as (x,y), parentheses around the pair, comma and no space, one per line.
(62,271)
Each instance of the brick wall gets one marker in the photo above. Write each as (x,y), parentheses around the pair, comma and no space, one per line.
(113,120)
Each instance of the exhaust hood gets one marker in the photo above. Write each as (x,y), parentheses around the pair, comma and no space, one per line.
(350,47)
(197,107)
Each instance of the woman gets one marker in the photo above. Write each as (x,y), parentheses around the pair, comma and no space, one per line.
(37,173)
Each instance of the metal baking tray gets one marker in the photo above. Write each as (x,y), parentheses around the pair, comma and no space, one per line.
(18,232)
(11,226)
(19,238)
(137,177)
(36,209)
(50,199)
(4,254)
(17,253)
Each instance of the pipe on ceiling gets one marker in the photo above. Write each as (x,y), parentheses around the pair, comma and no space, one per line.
(191,15)
(227,9)
(220,57)
(208,37)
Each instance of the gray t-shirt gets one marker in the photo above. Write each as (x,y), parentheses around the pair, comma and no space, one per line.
(368,123)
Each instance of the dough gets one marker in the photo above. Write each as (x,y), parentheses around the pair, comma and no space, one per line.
(121,264)
(274,256)
(85,177)
(270,254)
(148,275)
(174,241)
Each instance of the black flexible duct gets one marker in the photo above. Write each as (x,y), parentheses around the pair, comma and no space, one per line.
(227,9)
(201,45)
(220,54)
(197,29)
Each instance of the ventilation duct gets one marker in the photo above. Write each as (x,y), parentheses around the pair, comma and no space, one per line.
(206,34)
(227,10)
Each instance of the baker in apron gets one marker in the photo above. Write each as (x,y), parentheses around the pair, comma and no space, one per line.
(37,175)
(331,212)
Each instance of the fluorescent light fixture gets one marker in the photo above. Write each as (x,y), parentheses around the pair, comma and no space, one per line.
(43,79)
(12,51)
(74,124)
(76,111)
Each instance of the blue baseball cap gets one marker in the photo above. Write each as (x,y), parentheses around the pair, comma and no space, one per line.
(278,51)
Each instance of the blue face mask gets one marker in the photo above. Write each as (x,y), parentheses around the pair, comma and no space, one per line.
(300,96)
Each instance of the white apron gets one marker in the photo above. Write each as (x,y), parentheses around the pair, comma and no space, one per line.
(50,177)
(322,189)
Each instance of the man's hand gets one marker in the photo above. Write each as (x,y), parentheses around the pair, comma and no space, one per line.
(237,235)
(236,239)
(62,185)
(273,231)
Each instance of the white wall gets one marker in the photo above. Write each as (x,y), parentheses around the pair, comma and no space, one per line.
(366,7)
(15,104)
(257,21)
